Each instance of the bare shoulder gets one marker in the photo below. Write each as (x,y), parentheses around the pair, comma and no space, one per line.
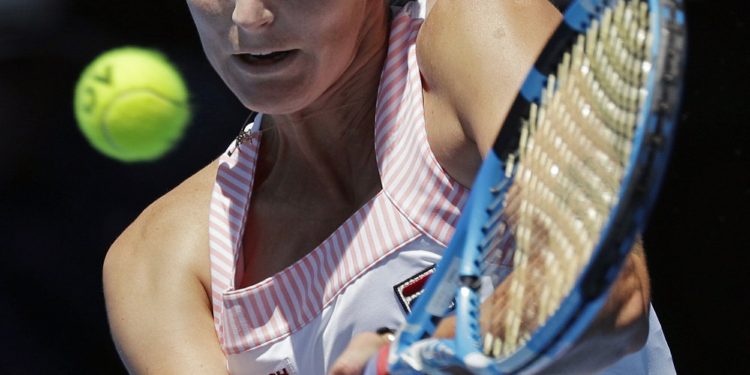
(473,57)
(157,283)
(171,231)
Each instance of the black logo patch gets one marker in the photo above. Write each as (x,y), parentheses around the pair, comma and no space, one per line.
(408,290)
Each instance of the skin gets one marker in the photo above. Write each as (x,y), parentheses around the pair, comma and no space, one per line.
(319,158)
(459,111)
(320,111)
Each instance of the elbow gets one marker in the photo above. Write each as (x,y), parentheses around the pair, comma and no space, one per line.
(632,318)
(624,323)
(635,334)
(621,327)
(629,321)
(624,332)
(635,327)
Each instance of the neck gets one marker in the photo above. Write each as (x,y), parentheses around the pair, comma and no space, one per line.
(329,146)
(355,92)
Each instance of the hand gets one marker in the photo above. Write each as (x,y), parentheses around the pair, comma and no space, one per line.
(620,328)
(354,358)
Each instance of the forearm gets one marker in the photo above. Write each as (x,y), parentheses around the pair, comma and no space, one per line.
(620,328)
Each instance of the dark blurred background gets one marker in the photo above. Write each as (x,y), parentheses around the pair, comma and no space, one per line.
(62,204)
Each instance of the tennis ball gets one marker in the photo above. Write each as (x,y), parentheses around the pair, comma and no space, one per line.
(132,104)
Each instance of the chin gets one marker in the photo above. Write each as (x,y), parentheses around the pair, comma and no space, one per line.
(277,99)
(272,103)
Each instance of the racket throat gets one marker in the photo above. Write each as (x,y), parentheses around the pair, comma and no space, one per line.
(468,343)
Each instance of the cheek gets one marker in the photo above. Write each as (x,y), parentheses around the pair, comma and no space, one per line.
(213,23)
(211,49)
(338,43)
(328,70)
(207,7)
(333,23)
(212,19)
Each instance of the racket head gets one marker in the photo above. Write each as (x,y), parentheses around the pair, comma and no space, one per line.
(460,273)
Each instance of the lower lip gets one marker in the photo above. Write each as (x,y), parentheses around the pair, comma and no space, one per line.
(266,66)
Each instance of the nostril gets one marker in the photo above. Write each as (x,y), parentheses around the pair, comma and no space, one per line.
(250,14)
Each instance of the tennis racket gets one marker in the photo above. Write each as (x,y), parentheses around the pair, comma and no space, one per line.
(561,197)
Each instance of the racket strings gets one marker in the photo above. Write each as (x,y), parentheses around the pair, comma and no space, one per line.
(574,150)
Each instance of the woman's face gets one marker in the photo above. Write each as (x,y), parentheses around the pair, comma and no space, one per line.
(279,56)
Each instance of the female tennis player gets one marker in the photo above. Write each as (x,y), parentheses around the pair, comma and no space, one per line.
(325,215)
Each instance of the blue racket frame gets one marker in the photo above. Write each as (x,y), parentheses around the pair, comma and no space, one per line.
(457,274)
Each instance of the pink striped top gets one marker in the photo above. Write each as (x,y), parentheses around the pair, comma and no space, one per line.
(418,199)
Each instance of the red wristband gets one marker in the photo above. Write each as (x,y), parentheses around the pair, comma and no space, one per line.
(382,364)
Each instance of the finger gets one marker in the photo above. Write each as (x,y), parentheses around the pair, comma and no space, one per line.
(354,358)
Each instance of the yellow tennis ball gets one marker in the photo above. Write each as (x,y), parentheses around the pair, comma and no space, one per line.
(132,104)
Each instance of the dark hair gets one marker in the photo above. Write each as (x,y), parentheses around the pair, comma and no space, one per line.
(399,2)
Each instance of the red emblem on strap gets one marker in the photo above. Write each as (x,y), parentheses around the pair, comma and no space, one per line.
(408,290)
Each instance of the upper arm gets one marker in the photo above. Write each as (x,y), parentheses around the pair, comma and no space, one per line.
(155,284)
(474,57)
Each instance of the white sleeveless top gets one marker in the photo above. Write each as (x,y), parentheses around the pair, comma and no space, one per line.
(299,320)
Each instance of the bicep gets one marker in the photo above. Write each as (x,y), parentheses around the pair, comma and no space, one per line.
(159,313)
(475,56)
